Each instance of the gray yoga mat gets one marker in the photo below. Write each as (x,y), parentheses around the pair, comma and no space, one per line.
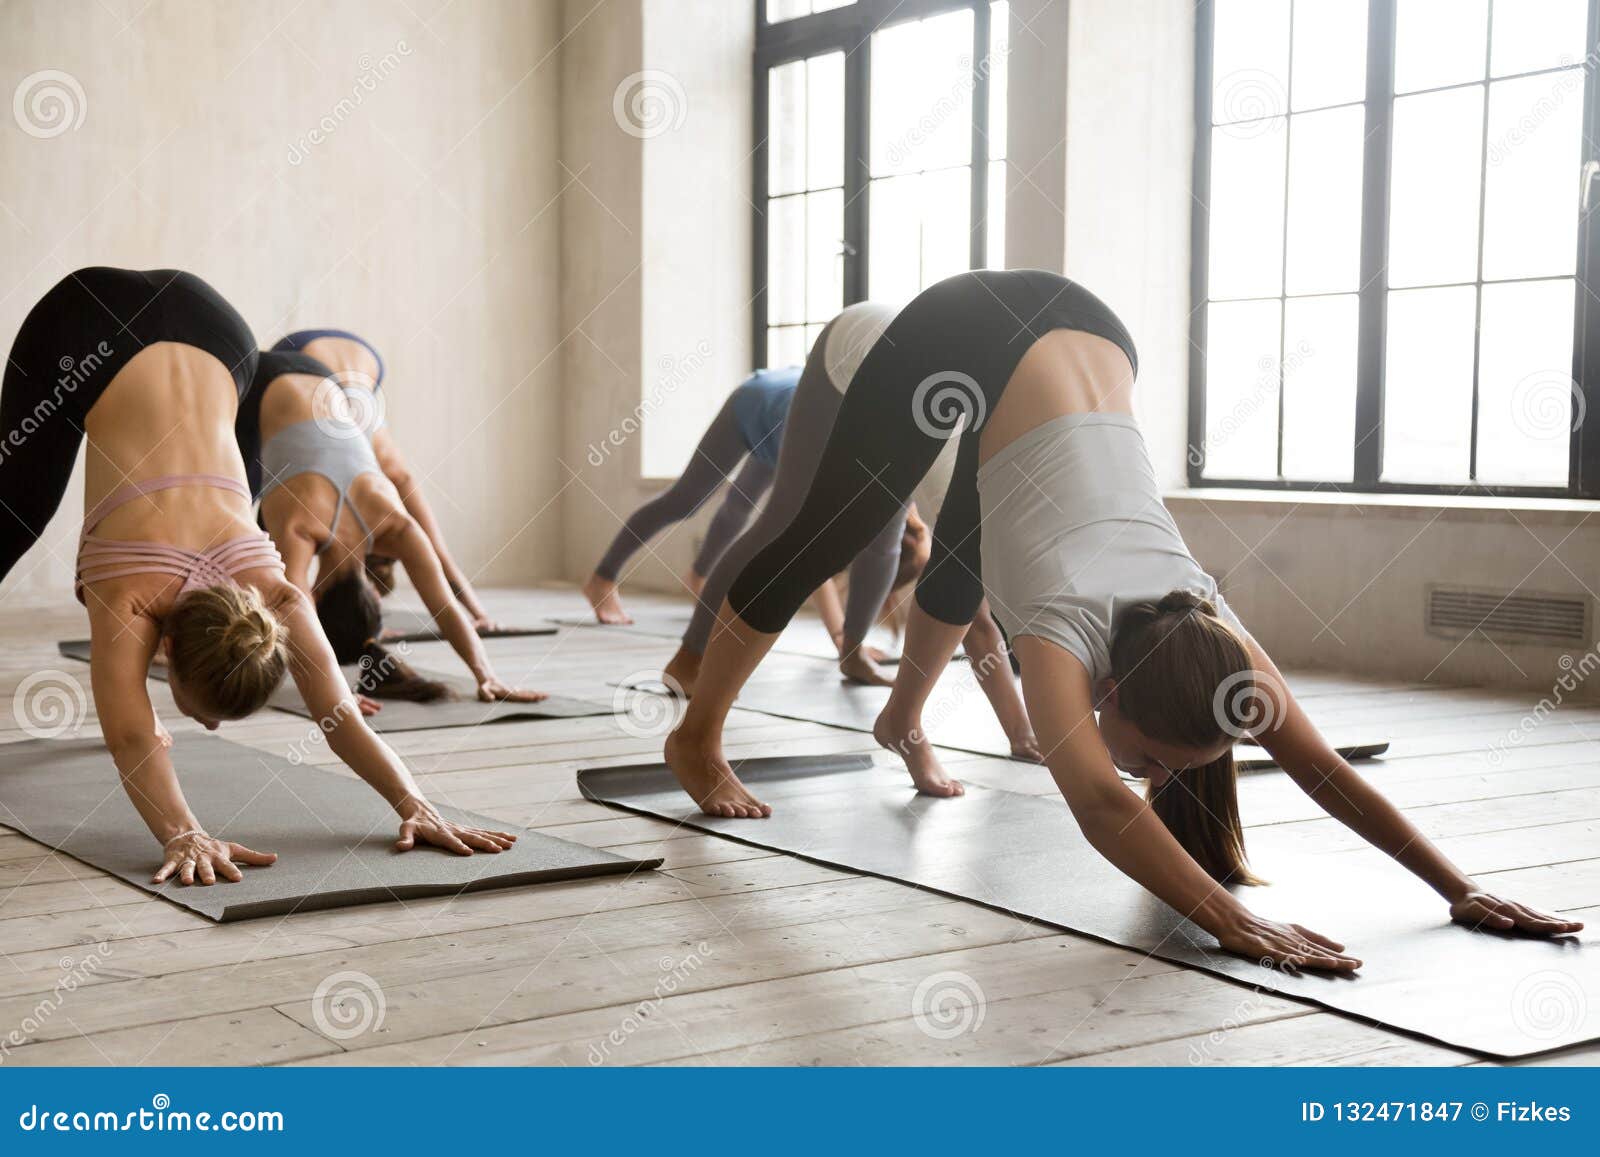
(958,715)
(403,626)
(1506,996)
(803,636)
(333,834)
(465,710)
(397,715)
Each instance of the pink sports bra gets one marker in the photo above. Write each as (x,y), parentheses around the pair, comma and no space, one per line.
(110,558)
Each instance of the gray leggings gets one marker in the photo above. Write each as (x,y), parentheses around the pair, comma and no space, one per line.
(805,433)
(719,451)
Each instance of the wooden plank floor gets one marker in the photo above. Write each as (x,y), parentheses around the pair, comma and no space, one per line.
(729,955)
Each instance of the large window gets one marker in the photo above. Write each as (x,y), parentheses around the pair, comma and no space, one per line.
(1391,246)
(880,163)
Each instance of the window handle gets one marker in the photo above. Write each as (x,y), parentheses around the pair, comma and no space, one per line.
(1586,176)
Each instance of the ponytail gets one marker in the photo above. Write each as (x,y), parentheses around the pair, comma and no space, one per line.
(384,675)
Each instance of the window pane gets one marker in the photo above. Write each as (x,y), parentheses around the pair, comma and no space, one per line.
(1535,34)
(1242,345)
(1325,165)
(786,346)
(1433,224)
(824,255)
(995,243)
(1250,60)
(894,267)
(922,94)
(999,75)
(1526,395)
(786,263)
(1247,174)
(1319,388)
(786,128)
(946,224)
(828,5)
(1330,52)
(1427,395)
(1531,191)
(1438,42)
(780,10)
(825,120)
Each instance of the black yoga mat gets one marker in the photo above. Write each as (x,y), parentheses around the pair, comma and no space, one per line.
(403,626)
(333,834)
(958,715)
(465,710)
(1502,995)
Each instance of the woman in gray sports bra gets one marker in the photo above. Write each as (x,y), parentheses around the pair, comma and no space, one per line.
(326,499)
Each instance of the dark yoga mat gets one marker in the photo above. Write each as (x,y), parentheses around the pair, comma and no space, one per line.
(958,714)
(1501,995)
(417,627)
(333,834)
(397,715)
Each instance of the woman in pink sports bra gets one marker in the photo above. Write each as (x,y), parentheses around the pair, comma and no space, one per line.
(171,560)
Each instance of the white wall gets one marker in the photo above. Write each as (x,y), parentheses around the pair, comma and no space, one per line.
(656,119)
(425,219)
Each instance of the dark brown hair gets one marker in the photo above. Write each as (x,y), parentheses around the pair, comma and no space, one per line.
(351,618)
(1174,662)
(228,651)
(380,572)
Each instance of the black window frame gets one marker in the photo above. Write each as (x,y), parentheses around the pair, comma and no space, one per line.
(1583,479)
(849,29)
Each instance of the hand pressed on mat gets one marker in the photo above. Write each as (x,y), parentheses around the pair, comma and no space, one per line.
(420,821)
(197,858)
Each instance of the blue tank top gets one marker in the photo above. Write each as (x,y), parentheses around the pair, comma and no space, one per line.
(761,404)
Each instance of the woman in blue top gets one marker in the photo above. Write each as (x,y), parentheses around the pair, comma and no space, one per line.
(748,429)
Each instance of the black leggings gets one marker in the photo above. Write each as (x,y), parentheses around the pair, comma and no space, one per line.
(71,345)
(947,356)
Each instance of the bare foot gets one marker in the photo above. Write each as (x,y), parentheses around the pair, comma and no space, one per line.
(858,668)
(1027,747)
(602,596)
(695,582)
(910,744)
(709,780)
(682,669)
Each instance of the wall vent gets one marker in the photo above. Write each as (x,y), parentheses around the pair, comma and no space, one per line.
(1509,616)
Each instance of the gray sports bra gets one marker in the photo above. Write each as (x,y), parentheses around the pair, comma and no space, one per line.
(307,448)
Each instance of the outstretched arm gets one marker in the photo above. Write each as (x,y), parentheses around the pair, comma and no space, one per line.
(328,698)
(1123,828)
(399,472)
(1290,737)
(123,645)
(410,545)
